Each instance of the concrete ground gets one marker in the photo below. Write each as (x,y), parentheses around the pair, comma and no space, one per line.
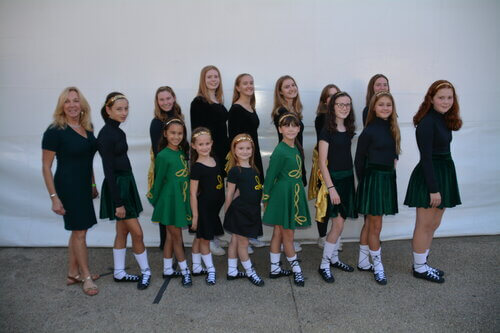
(34,297)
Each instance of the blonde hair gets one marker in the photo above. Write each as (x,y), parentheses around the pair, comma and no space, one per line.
(280,102)
(59,116)
(393,118)
(176,108)
(233,159)
(203,90)
(236,93)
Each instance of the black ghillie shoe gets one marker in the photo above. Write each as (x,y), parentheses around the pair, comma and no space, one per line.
(326,274)
(428,275)
(210,279)
(128,278)
(343,266)
(186,280)
(380,278)
(255,279)
(436,271)
(298,277)
(175,274)
(202,272)
(369,269)
(279,273)
(144,282)
(239,275)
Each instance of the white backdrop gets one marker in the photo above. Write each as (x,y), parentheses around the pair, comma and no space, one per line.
(136,46)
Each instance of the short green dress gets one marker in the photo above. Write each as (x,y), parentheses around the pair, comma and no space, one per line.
(284,191)
(73,177)
(170,192)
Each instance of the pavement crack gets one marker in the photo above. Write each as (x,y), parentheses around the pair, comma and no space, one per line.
(295,305)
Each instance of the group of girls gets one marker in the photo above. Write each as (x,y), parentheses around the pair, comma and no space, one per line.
(187,187)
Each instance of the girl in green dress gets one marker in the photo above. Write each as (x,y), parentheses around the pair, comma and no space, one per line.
(284,197)
(170,195)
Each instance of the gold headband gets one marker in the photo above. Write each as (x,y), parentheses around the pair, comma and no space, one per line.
(175,120)
(195,135)
(448,84)
(380,93)
(244,138)
(286,116)
(115,98)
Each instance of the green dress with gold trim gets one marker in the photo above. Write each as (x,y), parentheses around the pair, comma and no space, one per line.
(170,192)
(284,191)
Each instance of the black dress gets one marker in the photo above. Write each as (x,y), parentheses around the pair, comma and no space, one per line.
(243,215)
(214,117)
(243,121)
(73,177)
(210,199)
(276,119)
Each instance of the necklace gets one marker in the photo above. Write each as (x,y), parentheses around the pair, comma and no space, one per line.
(74,126)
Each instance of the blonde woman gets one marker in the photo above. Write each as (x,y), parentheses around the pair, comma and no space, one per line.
(70,138)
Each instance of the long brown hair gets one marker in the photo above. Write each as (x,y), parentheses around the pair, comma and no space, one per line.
(393,118)
(279,101)
(236,93)
(349,122)
(233,159)
(59,117)
(202,87)
(322,107)
(370,91)
(175,108)
(184,145)
(452,117)
(197,132)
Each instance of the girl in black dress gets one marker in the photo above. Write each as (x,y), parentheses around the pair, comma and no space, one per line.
(376,156)
(120,199)
(335,163)
(208,110)
(242,206)
(70,137)
(314,181)
(207,196)
(165,107)
(433,183)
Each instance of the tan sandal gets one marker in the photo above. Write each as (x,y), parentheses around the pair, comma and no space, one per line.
(70,280)
(90,290)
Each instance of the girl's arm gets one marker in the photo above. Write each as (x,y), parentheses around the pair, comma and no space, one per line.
(95,192)
(193,195)
(323,156)
(275,164)
(231,188)
(47,159)
(361,154)
(161,168)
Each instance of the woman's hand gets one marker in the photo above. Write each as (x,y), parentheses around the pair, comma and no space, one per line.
(435,199)
(334,196)
(120,212)
(57,206)
(95,192)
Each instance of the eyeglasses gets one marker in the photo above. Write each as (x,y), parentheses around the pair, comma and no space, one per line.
(343,106)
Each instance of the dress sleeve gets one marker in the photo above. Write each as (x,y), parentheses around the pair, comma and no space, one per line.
(233,175)
(161,168)
(155,133)
(275,165)
(319,125)
(51,140)
(105,147)
(199,113)
(361,154)
(195,172)
(324,135)
(425,137)
(235,124)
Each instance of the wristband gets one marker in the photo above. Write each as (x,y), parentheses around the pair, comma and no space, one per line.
(53,195)
(329,187)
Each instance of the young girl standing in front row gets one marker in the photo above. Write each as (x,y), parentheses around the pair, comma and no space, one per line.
(170,195)
(285,197)
(243,210)
(207,197)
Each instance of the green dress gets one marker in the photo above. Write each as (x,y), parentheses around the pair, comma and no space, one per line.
(73,177)
(170,192)
(284,190)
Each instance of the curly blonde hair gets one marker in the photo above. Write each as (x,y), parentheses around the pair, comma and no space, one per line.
(59,116)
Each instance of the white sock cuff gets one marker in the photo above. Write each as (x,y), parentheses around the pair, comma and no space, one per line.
(183,265)
(275,257)
(247,264)
(291,258)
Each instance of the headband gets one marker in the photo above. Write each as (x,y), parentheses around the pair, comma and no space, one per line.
(446,83)
(243,138)
(115,98)
(381,93)
(195,135)
(286,116)
(174,120)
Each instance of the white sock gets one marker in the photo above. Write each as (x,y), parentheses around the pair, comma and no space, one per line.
(377,260)
(232,266)
(295,264)
(364,257)
(335,254)
(142,260)
(207,259)
(119,262)
(184,267)
(420,262)
(167,266)
(275,262)
(427,254)
(327,255)
(196,262)
(247,265)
